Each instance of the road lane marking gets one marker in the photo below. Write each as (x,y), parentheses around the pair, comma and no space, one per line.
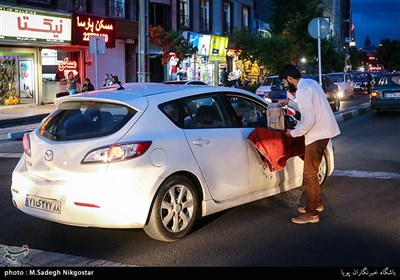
(10,155)
(366,174)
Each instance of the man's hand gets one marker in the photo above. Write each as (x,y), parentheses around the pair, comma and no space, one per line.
(287,133)
(283,102)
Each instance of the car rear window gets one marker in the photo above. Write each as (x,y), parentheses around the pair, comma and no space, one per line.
(85,119)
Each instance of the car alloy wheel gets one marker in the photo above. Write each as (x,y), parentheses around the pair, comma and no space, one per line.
(323,170)
(174,211)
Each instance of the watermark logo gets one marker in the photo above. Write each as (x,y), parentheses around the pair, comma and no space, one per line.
(13,255)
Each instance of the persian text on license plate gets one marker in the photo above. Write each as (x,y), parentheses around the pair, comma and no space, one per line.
(392,94)
(46,204)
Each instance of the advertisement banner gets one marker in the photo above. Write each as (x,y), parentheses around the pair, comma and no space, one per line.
(218,48)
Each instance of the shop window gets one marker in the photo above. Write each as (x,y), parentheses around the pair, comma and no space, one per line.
(116,8)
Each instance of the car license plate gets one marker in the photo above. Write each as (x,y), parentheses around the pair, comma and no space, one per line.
(46,204)
(392,94)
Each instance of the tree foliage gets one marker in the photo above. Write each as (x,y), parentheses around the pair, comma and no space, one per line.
(171,42)
(389,54)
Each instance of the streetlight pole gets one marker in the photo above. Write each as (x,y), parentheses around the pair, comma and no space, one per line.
(143,39)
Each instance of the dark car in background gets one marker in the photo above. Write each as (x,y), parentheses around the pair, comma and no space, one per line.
(330,88)
(386,93)
(363,82)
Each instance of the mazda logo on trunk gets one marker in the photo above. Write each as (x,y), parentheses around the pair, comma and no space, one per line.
(48,155)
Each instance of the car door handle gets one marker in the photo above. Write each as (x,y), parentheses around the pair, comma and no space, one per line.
(201,142)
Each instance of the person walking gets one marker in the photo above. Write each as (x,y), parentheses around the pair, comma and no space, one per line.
(87,86)
(224,77)
(72,83)
(317,124)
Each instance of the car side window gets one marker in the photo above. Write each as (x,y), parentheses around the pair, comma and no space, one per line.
(204,112)
(249,113)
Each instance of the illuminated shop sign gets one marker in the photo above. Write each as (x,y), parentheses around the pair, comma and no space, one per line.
(201,41)
(67,65)
(86,26)
(33,26)
(218,47)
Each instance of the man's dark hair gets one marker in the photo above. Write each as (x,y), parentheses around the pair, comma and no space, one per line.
(289,70)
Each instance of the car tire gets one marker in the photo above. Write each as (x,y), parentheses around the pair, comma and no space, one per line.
(174,211)
(323,170)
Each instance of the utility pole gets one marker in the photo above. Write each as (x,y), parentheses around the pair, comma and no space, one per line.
(143,40)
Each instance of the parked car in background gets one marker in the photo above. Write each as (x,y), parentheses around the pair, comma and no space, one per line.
(331,91)
(330,88)
(386,93)
(363,82)
(101,160)
(277,92)
(345,82)
(266,84)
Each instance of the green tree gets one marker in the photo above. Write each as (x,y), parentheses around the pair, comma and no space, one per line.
(171,42)
(388,54)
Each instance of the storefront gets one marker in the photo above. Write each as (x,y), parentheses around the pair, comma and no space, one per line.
(210,58)
(39,49)
(28,32)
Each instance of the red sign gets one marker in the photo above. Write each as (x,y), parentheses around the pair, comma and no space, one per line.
(83,27)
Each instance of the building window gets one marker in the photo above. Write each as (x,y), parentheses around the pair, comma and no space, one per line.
(160,14)
(226,18)
(205,15)
(116,8)
(245,17)
(184,14)
(80,5)
(49,4)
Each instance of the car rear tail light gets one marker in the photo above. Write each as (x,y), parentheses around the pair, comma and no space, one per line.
(374,95)
(117,152)
(26,144)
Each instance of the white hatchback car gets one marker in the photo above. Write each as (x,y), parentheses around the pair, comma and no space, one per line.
(265,86)
(138,158)
(345,82)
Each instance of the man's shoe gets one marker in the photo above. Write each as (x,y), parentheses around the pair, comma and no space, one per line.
(320,208)
(306,218)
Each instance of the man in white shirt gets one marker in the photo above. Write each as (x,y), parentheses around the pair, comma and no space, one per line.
(318,125)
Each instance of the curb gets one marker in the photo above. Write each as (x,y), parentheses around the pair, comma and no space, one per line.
(349,114)
(22,121)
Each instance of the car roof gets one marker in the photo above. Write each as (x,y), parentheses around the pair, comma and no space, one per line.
(185,82)
(135,94)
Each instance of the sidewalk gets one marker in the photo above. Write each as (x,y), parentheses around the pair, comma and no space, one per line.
(23,114)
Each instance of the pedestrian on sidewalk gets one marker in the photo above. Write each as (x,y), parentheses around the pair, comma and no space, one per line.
(317,124)
(72,83)
(87,86)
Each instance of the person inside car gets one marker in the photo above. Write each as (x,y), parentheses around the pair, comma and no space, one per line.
(205,117)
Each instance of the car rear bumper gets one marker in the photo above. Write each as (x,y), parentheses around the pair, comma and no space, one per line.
(388,104)
(98,203)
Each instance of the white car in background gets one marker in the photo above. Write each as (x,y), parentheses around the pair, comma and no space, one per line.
(266,84)
(345,82)
(136,156)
